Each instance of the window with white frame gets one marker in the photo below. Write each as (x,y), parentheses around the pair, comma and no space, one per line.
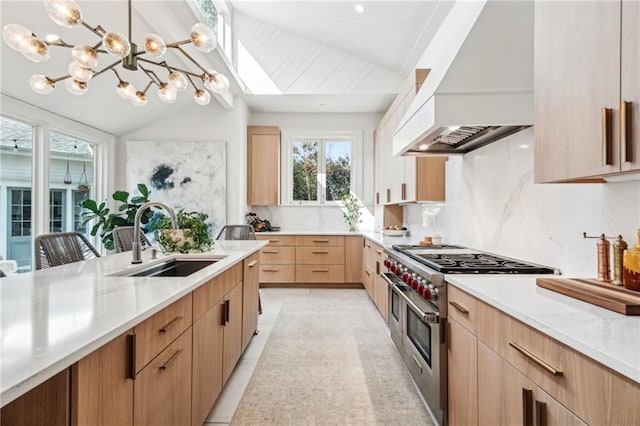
(321,170)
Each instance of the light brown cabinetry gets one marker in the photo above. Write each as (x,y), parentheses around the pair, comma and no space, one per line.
(232,346)
(373,267)
(524,376)
(263,165)
(353,259)
(250,298)
(587,115)
(320,259)
(46,404)
(102,385)
(278,259)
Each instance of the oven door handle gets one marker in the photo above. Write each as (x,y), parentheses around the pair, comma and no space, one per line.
(390,283)
(431,317)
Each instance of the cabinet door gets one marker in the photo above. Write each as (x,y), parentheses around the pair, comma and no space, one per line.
(207,362)
(102,385)
(250,298)
(353,259)
(548,411)
(463,376)
(630,125)
(263,166)
(381,292)
(232,331)
(576,75)
(162,390)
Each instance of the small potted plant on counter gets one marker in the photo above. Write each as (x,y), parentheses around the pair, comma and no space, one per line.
(351,211)
(192,235)
(259,225)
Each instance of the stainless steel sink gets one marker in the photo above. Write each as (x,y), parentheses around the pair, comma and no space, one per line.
(181,267)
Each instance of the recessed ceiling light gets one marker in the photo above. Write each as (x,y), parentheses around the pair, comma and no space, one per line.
(359,8)
(423,147)
(322,105)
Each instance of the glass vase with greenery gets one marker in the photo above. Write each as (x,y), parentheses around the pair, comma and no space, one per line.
(351,211)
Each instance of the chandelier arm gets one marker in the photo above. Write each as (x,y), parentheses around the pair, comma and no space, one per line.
(147,86)
(152,76)
(171,67)
(107,68)
(179,43)
(58,43)
(191,81)
(55,80)
(192,60)
(99,31)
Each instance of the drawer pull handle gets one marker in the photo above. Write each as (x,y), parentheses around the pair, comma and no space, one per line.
(368,245)
(379,251)
(459,307)
(271,270)
(271,251)
(527,407)
(320,252)
(319,270)
(253,263)
(533,357)
(171,360)
(274,241)
(541,413)
(319,241)
(170,324)
(367,272)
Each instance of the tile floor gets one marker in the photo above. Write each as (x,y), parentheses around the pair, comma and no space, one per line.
(272,300)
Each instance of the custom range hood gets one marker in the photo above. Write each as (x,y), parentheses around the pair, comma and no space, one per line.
(480,87)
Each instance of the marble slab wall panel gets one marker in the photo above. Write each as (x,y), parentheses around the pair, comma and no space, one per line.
(492,204)
(187,175)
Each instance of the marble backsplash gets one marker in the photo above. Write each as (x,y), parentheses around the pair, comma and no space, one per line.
(492,204)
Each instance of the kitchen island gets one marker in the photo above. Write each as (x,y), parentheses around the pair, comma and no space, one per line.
(53,318)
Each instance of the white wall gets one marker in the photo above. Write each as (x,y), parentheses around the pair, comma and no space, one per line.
(492,204)
(210,123)
(325,218)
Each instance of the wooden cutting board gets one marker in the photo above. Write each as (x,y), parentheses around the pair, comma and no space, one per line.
(608,296)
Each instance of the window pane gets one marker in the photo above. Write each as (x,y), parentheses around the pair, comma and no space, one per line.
(78,197)
(338,169)
(16,154)
(305,171)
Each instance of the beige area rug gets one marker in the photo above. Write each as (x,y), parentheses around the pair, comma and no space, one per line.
(330,361)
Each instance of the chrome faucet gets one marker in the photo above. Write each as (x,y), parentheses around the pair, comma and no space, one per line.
(137,223)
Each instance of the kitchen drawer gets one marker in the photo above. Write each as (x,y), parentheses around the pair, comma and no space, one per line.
(320,240)
(278,255)
(277,273)
(320,273)
(157,332)
(319,255)
(208,294)
(162,390)
(278,240)
(595,393)
(462,307)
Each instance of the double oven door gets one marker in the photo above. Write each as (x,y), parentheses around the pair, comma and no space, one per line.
(418,333)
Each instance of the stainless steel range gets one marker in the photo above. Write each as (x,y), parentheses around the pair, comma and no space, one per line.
(418,307)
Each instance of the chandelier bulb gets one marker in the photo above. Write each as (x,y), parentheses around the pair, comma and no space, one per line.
(167,93)
(41,84)
(178,80)
(75,87)
(52,38)
(85,56)
(66,13)
(79,73)
(201,97)
(216,82)
(126,90)
(139,99)
(13,34)
(34,49)
(203,38)
(154,45)
(116,44)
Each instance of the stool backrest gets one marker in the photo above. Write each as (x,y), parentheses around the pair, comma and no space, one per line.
(60,248)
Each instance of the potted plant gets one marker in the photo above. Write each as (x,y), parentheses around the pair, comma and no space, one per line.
(192,235)
(351,211)
(259,225)
(106,221)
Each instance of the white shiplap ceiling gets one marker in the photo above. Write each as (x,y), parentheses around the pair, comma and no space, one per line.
(311,55)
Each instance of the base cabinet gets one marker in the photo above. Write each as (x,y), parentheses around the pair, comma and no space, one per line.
(232,336)
(250,298)
(462,357)
(162,390)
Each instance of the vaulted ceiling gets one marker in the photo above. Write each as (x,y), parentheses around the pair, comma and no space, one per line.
(292,55)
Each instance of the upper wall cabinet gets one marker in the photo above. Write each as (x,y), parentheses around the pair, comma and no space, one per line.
(408,178)
(263,165)
(587,90)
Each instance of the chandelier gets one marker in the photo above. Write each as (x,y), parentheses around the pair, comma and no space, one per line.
(85,58)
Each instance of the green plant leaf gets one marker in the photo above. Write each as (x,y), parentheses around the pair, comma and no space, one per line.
(121,196)
(138,200)
(90,205)
(142,188)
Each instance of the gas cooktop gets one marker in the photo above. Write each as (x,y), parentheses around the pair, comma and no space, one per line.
(451,259)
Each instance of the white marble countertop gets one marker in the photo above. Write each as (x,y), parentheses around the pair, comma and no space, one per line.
(603,335)
(54,317)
